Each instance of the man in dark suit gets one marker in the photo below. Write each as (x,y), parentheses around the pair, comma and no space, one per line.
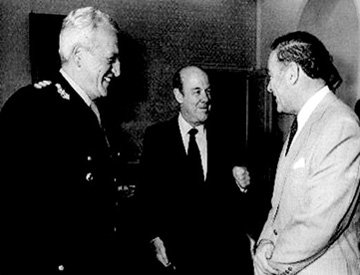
(195,216)
(57,189)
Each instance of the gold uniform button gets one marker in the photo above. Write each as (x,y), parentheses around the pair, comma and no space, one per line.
(89,177)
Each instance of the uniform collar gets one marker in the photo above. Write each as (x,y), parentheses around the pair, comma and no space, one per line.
(76,87)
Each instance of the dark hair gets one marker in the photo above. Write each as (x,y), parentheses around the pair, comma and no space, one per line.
(310,54)
(177,81)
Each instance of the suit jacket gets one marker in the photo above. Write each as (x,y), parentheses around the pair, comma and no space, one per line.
(57,193)
(199,223)
(313,218)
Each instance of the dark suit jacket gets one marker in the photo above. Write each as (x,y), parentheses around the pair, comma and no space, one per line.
(202,226)
(57,197)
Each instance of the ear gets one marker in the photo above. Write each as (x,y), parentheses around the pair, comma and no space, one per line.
(77,56)
(178,95)
(293,73)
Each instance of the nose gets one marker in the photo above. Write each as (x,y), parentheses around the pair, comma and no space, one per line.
(205,96)
(116,68)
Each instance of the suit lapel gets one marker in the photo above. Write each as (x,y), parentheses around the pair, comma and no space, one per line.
(176,139)
(285,162)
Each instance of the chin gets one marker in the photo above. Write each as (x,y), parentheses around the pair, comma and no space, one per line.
(279,108)
(103,91)
(203,119)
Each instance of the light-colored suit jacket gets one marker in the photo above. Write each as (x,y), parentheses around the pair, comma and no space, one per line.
(314,214)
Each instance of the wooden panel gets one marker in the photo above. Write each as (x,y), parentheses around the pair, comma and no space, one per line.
(44,44)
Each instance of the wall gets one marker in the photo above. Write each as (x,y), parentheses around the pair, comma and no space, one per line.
(168,33)
(164,34)
(335,22)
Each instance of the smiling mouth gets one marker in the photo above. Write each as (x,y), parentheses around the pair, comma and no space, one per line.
(107,78)
(204,109)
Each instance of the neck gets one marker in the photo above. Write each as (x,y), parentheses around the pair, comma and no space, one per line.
(76,76)
(307,90)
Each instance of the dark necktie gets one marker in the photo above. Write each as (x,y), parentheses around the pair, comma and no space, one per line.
(95,109)
(194,157)
(293,130)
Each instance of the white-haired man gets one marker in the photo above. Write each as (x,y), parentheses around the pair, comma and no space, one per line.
(57,193)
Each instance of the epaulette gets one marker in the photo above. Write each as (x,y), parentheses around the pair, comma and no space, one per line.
(45,86)
(55,87)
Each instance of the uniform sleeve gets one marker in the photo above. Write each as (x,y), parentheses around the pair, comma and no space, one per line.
(150,189)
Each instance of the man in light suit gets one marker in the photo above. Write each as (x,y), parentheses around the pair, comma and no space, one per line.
(311,227)
(196,225)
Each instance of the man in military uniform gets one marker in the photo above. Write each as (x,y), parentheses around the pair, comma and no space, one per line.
(57,190)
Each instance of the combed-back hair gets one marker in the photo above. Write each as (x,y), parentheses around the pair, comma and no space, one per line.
(310,54)
(78,28)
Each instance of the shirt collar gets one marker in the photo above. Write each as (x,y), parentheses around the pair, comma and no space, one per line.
(310,106)
(76,87)
(185,126)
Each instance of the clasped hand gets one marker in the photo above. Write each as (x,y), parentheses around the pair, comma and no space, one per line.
(261,259)
(242,177)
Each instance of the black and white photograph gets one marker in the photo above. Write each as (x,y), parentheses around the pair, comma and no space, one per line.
(180,137)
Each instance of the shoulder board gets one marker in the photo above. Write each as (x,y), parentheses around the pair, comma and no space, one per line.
(53,86)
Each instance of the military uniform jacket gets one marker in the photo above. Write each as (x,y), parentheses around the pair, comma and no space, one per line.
(57,197)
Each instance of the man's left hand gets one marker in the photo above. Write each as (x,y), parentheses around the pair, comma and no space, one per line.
(242,177)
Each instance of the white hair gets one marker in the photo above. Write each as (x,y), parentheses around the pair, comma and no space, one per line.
(78,27)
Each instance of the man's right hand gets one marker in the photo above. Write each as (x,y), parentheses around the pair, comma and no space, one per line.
(242,177)
(264,253)
(160,251)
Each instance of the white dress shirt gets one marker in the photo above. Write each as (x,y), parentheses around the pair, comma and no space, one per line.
(309,107)
(200,137)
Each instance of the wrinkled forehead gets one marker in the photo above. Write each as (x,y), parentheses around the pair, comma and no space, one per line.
(272,59)
(194,77)
(105,37)
(274,65)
